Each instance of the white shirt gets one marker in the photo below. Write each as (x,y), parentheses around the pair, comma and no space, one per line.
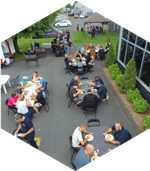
(22,108)
(76,137)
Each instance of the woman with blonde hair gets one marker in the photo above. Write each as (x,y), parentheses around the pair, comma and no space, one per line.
(92,52)
(12,101)
(24,107)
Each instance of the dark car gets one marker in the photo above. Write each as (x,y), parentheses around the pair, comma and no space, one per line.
(71,14)
(88,14)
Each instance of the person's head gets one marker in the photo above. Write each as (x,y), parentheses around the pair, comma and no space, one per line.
(98,84)
(24,78)
(82,127)
(36,73)
(108,40)
(84,47)
(96,77)
(13,94)
(91,45)
(75,86)
(80,60)
(21,98)
(18,117)
(89,91)
(53,40)
(77,52)
(76,78)
(118,126)
(92,57)
(38,77)
(86,53)
(89,148)
(19,86)
(100,47)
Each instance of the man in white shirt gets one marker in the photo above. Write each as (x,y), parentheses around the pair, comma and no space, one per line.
(77,136)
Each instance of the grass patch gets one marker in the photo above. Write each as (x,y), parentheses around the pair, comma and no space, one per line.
(71,17)
(80,38)
(25,44)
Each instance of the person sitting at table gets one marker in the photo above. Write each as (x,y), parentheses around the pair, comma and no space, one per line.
(87,58)
(101,90)
(35,74)
(100,30)
(24,83)
(90,47)
(82,158)
(120,133)
(39,99)
(97,47)
(19,89)
(77,140)
(92,62)
(74,91)
(42,83)
(12,101)
(97,79)
(75,80)
(83,50)
(89,98)
(101,53)
(24,107)
(92,52)
(77,55)
(70,63)
(80,64)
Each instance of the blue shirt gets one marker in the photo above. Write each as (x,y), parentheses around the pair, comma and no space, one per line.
(81,159)
(43,82)
(121,136)
(26,125)
(99,80)
(72,82)
(80,64)
(88,58)
(101,52)
(24,82)
(65,44)
(19,91)
(101,91)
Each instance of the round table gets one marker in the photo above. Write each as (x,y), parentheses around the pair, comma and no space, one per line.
(3,80)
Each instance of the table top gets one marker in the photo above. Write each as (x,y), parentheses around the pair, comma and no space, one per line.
(76,60)
(4,79)
(99,140)
(86,87)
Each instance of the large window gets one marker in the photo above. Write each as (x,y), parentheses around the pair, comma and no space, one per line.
(123,49)
(148,47)
(145,74)
(132,37)
(141,42)
(125,33)
(129,54)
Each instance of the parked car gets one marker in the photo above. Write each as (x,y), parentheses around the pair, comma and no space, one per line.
(71,14)
(63,23)
(88,14)
(76,16)
(81,16)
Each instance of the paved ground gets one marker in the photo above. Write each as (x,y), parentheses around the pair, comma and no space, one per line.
(57,125)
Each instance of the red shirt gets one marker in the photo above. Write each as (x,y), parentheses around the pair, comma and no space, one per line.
(89,47)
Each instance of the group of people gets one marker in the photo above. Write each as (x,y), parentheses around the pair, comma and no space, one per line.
(89,98)
(25,110)
(82,158)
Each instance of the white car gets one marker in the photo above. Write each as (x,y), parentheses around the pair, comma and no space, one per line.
(63,23)
(81,16)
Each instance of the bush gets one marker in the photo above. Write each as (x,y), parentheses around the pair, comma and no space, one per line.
(113,67)
(146,122)
(118,79)
(111,57)
(133,94)
(115,73)
(128,80)
(117,48)
(140,105)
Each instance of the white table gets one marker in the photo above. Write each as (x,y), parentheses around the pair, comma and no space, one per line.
(46,45)
(3,80)
(31,90)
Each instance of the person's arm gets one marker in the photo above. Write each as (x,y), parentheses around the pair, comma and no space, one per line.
(28,103)
(79,102)
(74,95)
(30,130)
(92,80)
(19,127)
(87,132)
(84,141)
(108,131)
(113,142)
(95,155)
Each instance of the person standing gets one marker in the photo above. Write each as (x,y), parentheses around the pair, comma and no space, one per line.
(107,47)
(65,43)
(93,32)
(89,33)
(77,27)
(68,35)
(27,128)
(53,43)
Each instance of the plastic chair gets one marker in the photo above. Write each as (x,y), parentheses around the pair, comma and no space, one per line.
(90,107)
(16,80)
(93,120)
(74,167)
(71,100)
(46,89)
(84,78)
(45,105)
(71,148)
(13,109)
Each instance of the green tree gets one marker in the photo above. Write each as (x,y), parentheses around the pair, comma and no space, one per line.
(37,27)
(111,57)
(128,80)
(68,6)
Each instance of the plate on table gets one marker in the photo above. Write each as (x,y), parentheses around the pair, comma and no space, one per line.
(81,92)
(91,83)
(109,136)
(92,159)
(94,90)
(25,94)
(91,137)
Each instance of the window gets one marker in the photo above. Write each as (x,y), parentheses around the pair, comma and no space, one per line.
(117,26)
(132,37)
(141,42)
(123,49)
(145,74)
(130,51)
(148,47)
(125,34)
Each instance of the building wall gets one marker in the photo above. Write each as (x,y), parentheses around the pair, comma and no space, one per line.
(84,9)
(133,46)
